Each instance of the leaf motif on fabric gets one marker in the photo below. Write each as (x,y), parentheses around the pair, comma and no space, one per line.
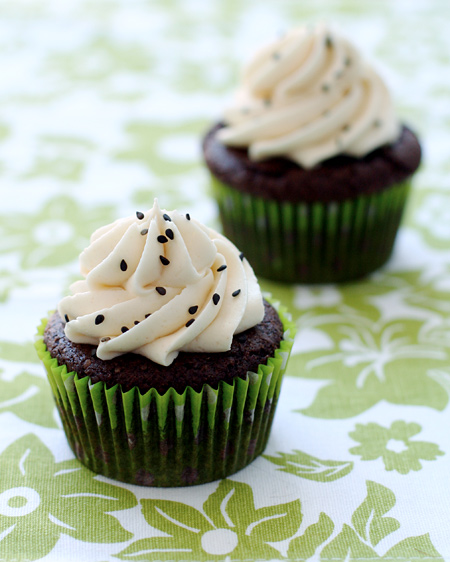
(393,445)
(370,526)
(10,281)
(368,519)
(304,546)
(55,235)
(347,546)
(164,153)
(306,466)
(55,497)
(29,398)
(371,361)
(228,525)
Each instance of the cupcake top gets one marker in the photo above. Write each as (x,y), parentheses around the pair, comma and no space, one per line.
(158,283)
(308,97)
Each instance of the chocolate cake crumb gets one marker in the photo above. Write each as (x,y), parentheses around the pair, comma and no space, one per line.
(248,350)
(336,179)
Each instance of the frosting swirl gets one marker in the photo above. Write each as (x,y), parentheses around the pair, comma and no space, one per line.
(159,283)
(308,97)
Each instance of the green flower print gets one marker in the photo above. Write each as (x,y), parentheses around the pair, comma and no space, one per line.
(8,282)
(309,467)
(98,61)
(393,445)
(54,236)
(64,497)
(432,216)
(229,526)
(28,397)
(18,352)
(164,149)
(60,157)
(421,294)
(367,361)
(368,528)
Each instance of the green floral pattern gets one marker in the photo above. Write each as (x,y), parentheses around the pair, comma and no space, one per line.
(56,498)
(54,236)
(104,105)
(8,282)
(362,366)
(369,526)
(394,445)
(28,397)
(309,467)
(229,525)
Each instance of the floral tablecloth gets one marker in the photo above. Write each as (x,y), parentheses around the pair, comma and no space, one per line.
(102,105)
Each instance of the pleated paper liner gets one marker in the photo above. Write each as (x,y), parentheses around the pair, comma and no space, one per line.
(173,439)
(313,242)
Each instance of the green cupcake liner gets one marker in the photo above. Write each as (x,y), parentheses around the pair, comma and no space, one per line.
(312,242)
(174,439)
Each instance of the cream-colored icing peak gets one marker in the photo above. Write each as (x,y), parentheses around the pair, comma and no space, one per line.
(308,97)
(158,283)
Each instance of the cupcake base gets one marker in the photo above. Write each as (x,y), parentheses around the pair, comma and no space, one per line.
(300,242)
(331,223)
(171,439)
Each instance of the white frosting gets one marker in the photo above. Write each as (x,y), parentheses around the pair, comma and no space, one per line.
(125,267)
(307,97)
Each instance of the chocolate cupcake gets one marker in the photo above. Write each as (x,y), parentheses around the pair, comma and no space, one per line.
(310,167)
(165,362)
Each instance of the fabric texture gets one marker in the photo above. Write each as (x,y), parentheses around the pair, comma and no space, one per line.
(103,108)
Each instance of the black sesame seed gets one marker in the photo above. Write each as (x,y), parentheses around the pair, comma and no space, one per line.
(164,260)
(325,87)
(166,217)
(193,309)
(241,256)
(147,315)
(161,290)
(276,56)
(66,318)
(123,265)
(144,232)
(267,102)
(106,338)
(139,215)
(346,128)
(169,233)
(162,239)
(99,319)
(347,61)
(328,42)
(188,216)
(377,123)
(222,267)
(190,322)
(235,293)
(216,298)
(123,329)
(136,322)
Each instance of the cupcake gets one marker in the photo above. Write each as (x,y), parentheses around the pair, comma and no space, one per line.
(310,166)
(165,362)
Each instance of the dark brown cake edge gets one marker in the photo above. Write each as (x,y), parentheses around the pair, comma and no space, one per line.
(336,179)
(249,349)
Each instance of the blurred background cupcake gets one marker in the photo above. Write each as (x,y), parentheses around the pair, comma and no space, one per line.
(310,166)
